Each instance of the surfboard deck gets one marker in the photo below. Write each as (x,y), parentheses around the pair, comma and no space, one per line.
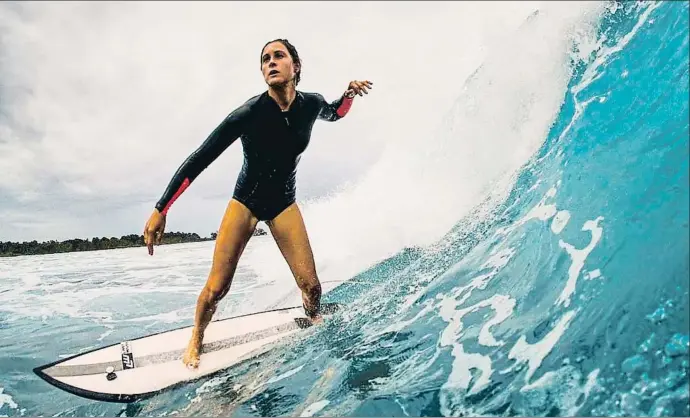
(142,367)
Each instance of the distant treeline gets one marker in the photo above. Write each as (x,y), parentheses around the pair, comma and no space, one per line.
(10,249)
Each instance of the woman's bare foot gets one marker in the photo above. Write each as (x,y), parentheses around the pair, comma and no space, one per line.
(316,319)
(192,354)
(312,314)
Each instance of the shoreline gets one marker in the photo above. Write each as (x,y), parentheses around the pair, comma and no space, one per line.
(19,249)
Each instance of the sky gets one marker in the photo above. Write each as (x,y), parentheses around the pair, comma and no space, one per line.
(100,102)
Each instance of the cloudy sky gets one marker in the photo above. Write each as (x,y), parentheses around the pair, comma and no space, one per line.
(100,102)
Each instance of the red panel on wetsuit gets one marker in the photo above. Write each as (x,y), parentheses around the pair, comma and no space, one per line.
(177,194)
(344,107)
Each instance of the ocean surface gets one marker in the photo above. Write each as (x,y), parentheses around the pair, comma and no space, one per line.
(557,285)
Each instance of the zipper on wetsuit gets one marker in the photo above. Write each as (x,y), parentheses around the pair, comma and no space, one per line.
(285,112)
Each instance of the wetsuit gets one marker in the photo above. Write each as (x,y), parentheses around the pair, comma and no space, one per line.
(272,141)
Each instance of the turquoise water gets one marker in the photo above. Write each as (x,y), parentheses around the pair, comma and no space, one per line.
(569,297)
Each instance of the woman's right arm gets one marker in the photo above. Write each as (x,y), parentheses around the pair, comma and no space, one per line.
(218,141)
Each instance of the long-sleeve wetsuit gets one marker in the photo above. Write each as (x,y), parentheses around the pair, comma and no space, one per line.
(272,141)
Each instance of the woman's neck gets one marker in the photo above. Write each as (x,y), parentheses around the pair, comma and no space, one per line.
(283,95)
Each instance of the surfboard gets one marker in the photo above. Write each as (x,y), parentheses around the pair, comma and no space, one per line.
(142,367)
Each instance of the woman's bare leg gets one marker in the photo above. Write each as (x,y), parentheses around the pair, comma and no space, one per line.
(290,233)
(235,230)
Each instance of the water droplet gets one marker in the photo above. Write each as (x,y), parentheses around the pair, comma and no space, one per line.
(673,379)
(658,315)
(661,407)
(654,388)
(635,363)
(639,388)
(630,404)
(648,344)
(678,345)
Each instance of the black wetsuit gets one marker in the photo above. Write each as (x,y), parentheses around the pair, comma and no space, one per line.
(272,141)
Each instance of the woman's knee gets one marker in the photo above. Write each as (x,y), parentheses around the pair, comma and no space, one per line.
(216,287)
(211,296)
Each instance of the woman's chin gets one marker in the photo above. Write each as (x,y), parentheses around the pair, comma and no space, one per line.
(276,82)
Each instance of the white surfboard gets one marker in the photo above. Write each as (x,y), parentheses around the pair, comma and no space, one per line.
(139,368)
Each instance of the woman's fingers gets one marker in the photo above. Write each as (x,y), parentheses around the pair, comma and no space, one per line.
(159,236)
(359,87)
(149,243)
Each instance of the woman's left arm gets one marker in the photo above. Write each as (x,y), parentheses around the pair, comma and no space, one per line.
(339,108)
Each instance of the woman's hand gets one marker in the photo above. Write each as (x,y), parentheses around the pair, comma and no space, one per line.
(153,230)
(358,87)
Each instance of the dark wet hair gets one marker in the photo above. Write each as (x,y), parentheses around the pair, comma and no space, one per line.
(293,53)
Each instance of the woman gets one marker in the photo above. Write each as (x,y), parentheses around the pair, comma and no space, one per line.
(275,128)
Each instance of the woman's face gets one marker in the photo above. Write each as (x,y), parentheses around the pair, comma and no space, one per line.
(277,65)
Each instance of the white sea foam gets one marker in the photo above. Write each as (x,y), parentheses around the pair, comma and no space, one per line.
(579,256)
(534,354)
(6,399)
(314,408)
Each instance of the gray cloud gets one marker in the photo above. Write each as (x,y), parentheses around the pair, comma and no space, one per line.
(100,102)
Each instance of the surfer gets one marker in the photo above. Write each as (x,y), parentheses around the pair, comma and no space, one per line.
(275,129)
